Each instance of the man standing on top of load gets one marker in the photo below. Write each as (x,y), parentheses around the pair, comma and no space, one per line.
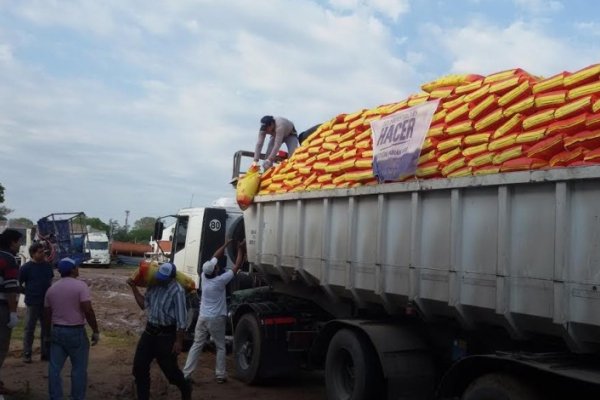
(281,130)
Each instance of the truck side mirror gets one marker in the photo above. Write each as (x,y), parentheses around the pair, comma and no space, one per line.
(159,227)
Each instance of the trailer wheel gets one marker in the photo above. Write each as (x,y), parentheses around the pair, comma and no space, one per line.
(500,387)
(247,349)
(352,371)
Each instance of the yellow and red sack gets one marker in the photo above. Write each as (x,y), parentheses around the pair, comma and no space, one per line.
(592,156)
(522,164)
(144,276)
(553,83)
(547,148)
(450,80)
(247,187)
(565,158)
(586,139)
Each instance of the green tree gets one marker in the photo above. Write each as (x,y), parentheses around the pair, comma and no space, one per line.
(4,211)
(142,230)
(1,194)
(145,223)
(21,222)
(97,224)
(117,232)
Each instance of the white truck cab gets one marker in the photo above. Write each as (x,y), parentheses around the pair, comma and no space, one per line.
(97,246)
(200,231)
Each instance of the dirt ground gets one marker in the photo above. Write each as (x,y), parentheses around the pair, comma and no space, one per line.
(109,371)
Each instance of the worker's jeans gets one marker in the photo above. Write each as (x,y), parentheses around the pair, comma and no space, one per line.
(216,328)
(5,332)
(157,345)
(34,314)
(291,141)
(71,342)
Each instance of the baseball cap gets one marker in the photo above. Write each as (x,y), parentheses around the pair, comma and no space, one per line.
(265,121)
(66,265)
(209,266)
(164,271)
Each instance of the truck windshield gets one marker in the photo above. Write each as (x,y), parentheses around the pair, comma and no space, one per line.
(180,233)
(98,245)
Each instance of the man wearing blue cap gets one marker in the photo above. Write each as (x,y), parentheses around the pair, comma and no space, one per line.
(67,305)
(163,337)
(281,130)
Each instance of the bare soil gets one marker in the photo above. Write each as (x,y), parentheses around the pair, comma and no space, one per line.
(109,371)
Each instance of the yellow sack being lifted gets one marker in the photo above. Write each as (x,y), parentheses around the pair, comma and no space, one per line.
(247,187)
(145,275)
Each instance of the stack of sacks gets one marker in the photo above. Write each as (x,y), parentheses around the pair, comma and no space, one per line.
(507,121)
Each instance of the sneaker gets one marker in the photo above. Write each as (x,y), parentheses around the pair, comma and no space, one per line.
(27,358)
(221,380)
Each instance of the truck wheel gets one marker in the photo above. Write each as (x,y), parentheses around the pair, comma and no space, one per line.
(352,371)
(247,349)
(499,387)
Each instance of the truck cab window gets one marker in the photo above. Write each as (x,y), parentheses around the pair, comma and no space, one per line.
(180,233)
(98,245)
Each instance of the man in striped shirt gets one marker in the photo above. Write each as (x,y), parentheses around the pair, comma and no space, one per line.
(10,241)
(163,337)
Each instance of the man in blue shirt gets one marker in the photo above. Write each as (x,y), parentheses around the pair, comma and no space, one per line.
(163,337)
(36,276)
(213,311)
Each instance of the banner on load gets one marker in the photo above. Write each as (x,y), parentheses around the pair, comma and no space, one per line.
(397,141)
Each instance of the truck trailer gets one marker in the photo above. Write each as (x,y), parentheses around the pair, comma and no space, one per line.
(482,287)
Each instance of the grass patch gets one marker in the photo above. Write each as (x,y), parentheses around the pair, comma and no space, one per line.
(116,339)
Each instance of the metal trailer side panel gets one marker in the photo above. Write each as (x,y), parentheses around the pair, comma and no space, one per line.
(521,250)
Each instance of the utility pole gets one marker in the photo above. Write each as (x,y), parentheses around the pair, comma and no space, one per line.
(126,220)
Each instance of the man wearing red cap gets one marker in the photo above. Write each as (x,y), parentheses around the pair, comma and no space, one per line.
(281,130)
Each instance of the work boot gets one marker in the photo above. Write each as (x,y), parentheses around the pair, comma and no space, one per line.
(27,358)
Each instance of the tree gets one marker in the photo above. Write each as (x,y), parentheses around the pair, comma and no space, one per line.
(1,194)
(142,230)
(4,211)
(20,223)
(145,223)
(116,231)
(97,224)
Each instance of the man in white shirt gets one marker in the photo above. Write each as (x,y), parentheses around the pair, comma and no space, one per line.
(213,311)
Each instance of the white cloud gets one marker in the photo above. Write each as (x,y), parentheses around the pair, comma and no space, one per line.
(540,6)
(390,8)
(174,90)
(481,47)
(588,28)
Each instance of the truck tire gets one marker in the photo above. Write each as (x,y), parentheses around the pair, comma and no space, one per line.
(499,386)
(247,347)
(352,370)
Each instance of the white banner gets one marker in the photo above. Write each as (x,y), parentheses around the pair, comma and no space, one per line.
(397,141)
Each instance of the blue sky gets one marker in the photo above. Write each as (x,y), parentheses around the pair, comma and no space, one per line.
(139,105)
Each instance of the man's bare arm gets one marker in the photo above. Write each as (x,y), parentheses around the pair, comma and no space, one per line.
(139,298)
